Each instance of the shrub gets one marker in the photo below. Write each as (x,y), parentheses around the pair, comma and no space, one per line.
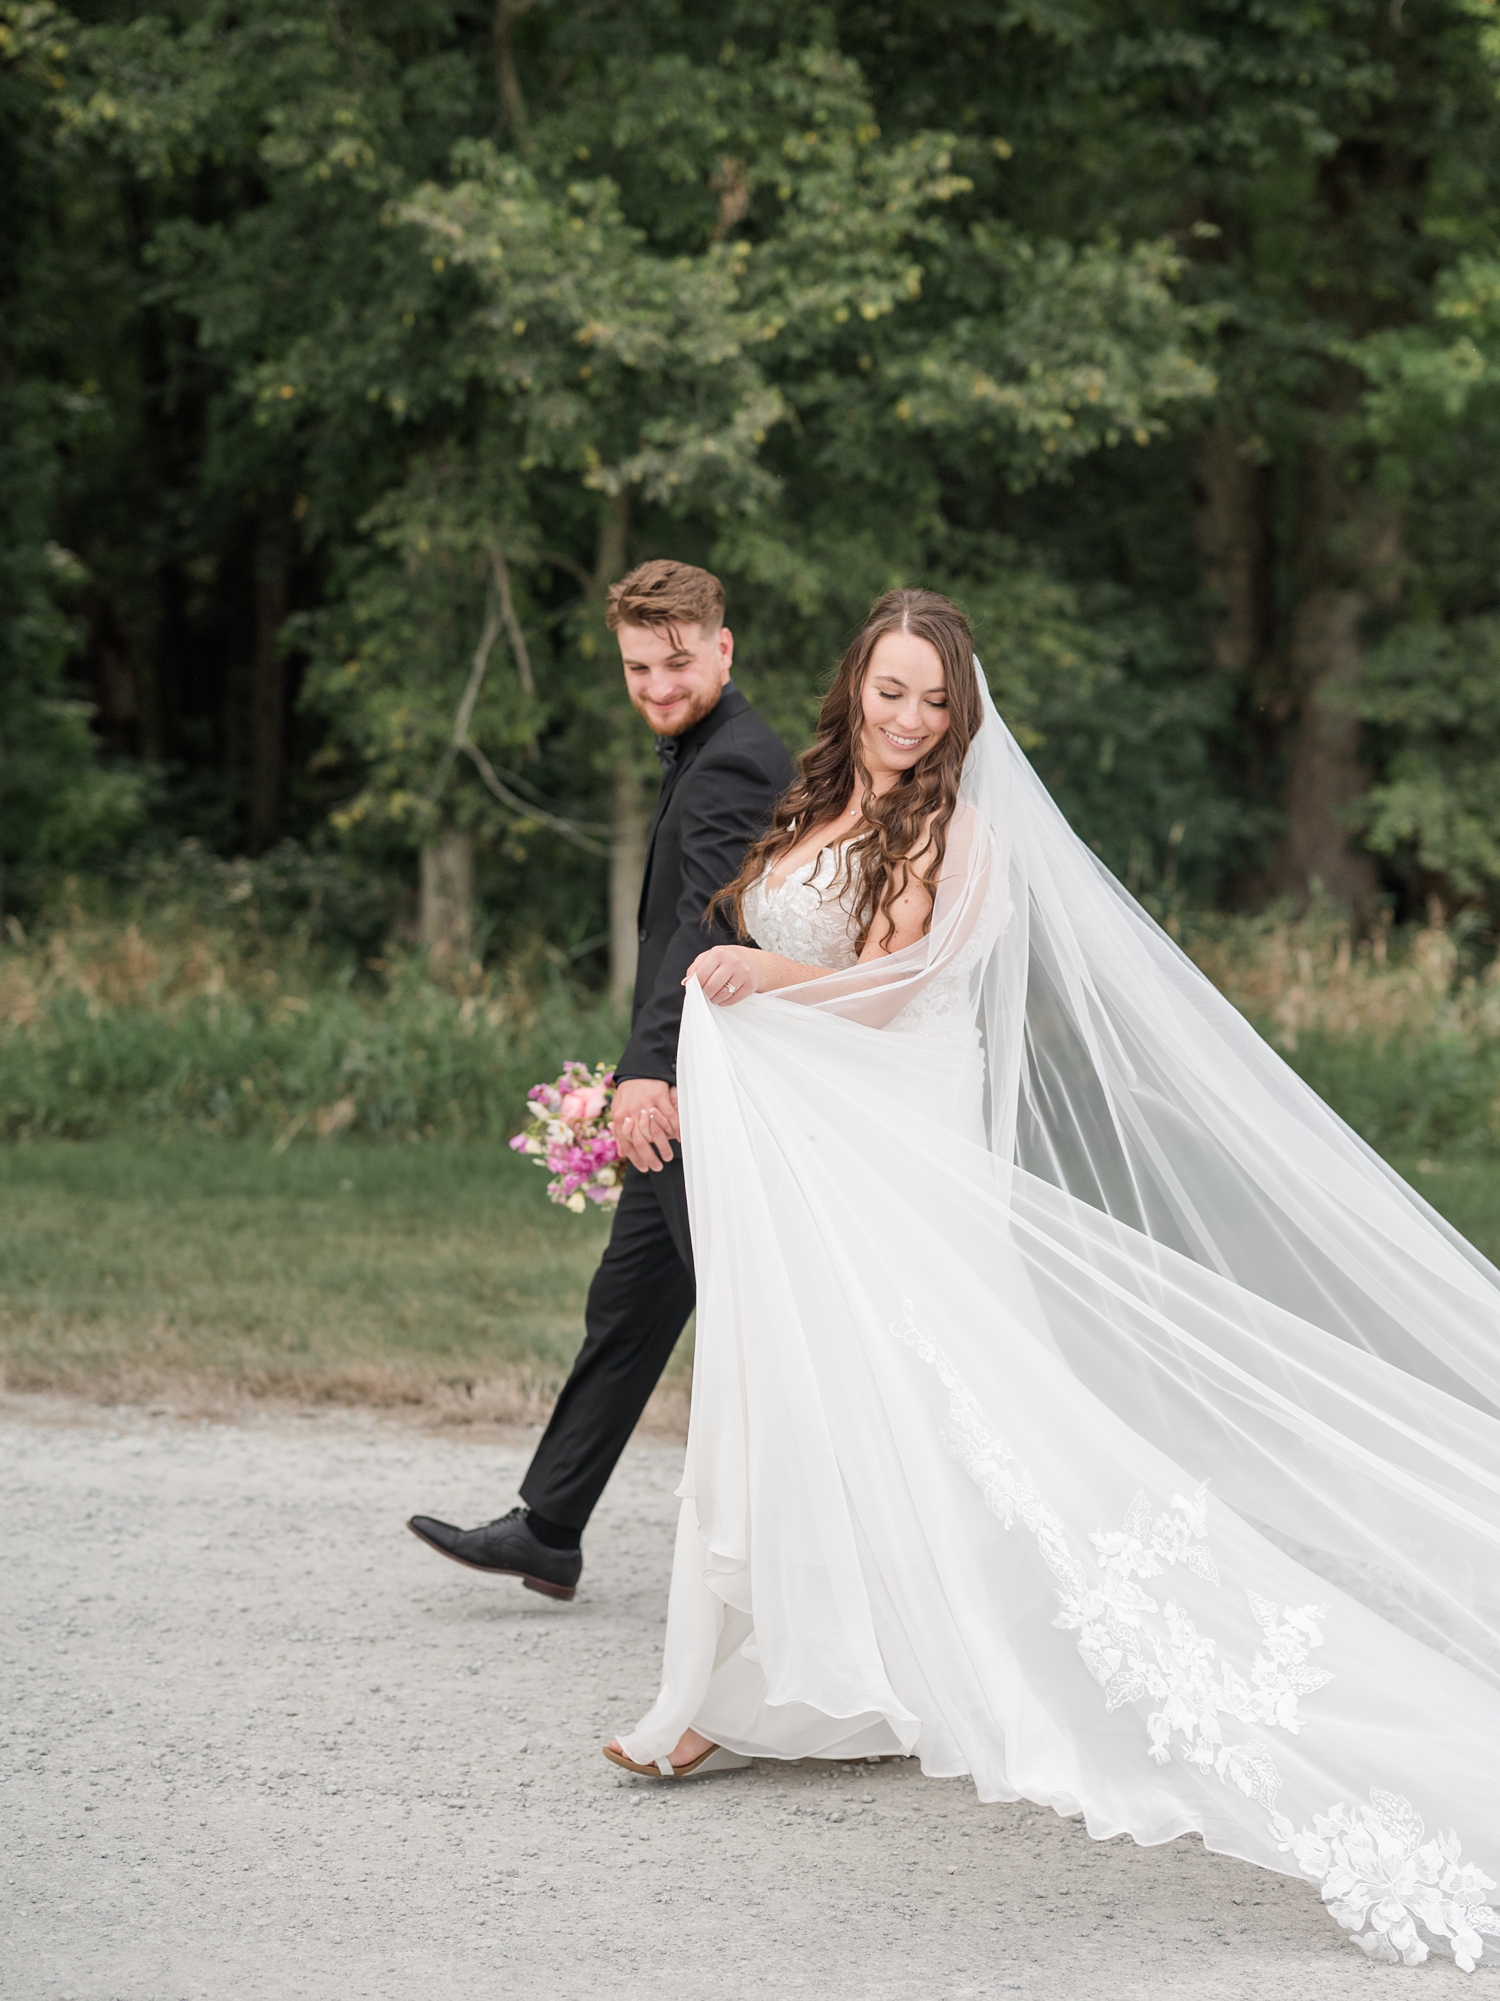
(177,1026)
(1400,1034)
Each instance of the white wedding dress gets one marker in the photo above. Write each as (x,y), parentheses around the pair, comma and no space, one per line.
(1077,1404)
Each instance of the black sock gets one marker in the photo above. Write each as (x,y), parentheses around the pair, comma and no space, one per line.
(552,1535)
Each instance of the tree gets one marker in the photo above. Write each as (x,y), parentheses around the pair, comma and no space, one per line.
(595,368)
(58,803)
(1154,334)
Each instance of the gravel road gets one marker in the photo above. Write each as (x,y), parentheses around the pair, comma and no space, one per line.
(259,1742)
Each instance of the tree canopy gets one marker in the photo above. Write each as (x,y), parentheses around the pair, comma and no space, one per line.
(348,353)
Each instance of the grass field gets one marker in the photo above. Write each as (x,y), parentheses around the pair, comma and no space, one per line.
(1467,1192)
(438,1277)
(173,1228)
(195,1272)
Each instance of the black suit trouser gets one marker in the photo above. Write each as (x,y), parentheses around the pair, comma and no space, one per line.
(638,1304)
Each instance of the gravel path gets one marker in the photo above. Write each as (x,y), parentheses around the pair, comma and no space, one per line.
(257,1741)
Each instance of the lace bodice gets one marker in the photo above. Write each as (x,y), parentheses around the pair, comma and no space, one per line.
(803,918)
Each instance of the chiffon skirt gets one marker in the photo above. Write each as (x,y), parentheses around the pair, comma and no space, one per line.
(977,1475)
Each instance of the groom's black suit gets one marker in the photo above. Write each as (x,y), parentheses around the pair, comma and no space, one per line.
(720,780)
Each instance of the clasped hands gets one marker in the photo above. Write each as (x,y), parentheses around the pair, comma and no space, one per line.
(643,1116)
(643,1119)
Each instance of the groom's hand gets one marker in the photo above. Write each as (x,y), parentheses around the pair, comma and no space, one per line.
(643,1119)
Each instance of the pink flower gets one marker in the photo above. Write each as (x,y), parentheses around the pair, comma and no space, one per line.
(578,1106)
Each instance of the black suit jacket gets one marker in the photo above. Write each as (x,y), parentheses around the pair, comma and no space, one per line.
(731,768)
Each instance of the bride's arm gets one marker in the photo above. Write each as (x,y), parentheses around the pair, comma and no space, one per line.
(729,974)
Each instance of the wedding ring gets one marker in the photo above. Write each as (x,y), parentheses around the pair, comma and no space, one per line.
(730,988)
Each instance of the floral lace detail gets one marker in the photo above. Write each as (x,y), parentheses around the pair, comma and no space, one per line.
(802,920)
(1135,1649)
(796,918)
(1376,1869)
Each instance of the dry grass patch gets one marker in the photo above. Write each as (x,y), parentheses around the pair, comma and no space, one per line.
(1320,974)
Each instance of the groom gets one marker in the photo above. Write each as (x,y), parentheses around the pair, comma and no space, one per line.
(722,771)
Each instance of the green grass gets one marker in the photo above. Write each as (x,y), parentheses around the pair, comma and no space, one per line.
(1467,1192)
(197,1272)
(1411,1096)
(433,1274)
(154,1243)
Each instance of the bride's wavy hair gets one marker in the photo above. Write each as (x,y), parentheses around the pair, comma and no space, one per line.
(908,826)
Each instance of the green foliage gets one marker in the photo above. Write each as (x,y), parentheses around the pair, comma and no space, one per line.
(410,1065)
(828,301)
(710,284)
(1410,1096)
(215,1011)
(58,806)
(1435,689)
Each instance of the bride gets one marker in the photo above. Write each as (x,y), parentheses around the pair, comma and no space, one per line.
(1078,1404)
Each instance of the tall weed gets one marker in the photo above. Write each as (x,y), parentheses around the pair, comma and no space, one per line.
(199,1016)
(179,1026)
(1399,1033)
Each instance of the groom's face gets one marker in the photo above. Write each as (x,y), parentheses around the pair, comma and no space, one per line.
(674,674)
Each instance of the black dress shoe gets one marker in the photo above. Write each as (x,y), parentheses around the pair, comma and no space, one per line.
(508,1548)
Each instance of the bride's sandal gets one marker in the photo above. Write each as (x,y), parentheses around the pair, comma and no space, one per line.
(714,1759)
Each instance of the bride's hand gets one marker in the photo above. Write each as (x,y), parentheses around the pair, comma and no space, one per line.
(727,974)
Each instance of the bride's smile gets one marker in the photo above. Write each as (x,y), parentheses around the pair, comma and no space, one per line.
(905,706)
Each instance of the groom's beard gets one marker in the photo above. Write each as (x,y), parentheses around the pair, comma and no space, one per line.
(682,716)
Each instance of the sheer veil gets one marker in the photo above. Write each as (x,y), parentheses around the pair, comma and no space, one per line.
(1217,1255)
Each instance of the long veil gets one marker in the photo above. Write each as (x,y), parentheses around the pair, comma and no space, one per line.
(1079,1403)
(1347,1366)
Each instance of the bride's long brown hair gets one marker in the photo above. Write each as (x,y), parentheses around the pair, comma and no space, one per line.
(908,826)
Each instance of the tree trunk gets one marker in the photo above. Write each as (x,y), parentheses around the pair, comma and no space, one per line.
(1351,552)
(1235,552)
(273,558)
(447,909)
(1326,772)
(627,867)
(628,814)
(510,102)
(1346,559)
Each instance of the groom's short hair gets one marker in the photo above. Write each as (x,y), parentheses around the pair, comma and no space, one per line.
(665,594)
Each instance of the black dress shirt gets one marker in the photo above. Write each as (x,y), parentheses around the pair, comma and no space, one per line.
(716,797)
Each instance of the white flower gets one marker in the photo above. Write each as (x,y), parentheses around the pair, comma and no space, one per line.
(1375,1869)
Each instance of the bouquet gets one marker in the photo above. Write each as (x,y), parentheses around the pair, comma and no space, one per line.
(569,1135)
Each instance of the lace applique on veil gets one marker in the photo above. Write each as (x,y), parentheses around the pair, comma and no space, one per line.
(1374,1867)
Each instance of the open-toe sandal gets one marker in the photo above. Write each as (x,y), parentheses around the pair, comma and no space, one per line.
(714,1759)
